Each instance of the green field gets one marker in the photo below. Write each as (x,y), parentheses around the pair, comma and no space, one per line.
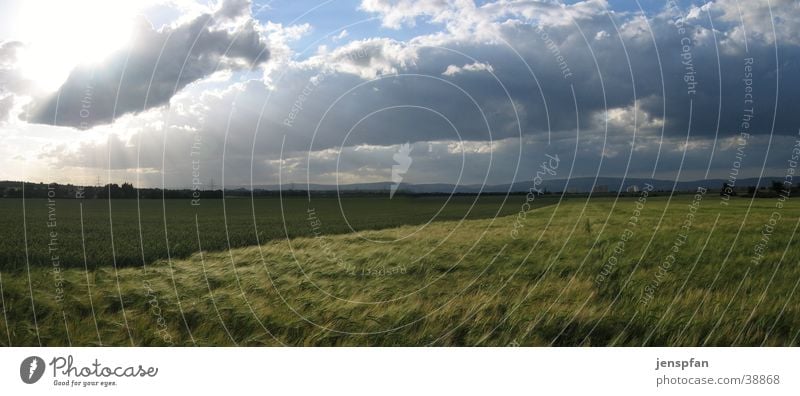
(148,229)
(598,272)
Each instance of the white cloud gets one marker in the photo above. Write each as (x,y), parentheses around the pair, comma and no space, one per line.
(472,67)
(398,13)
(368,58)
(759,21)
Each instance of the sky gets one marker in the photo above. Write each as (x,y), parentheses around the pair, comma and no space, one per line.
(245,93)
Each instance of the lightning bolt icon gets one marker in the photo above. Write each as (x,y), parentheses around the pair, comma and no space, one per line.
(33,367)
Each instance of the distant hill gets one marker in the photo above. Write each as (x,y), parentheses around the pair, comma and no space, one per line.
(577,185)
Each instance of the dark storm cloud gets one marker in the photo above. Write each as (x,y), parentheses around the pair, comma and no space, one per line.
(616,69)
(613,62)
(153,69)
(731,81)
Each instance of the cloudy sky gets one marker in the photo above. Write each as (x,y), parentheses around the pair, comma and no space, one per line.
(241,92)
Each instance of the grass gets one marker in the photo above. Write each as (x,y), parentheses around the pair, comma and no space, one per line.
(450,283)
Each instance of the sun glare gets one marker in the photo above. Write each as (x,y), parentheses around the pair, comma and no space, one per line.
(60,35)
